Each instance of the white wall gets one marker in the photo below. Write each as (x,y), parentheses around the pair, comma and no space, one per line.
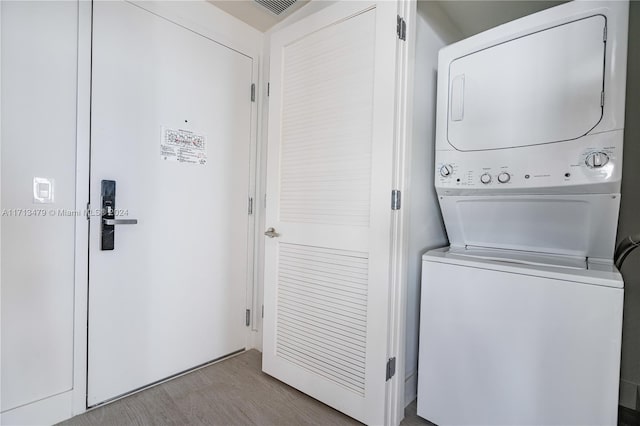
(44,259)
(39,63)
(439,22)
(426,229)
(629,223)
(474,16)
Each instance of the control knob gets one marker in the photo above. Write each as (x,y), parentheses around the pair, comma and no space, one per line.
(504,177)
(597,159)
(446,170)
(485,178)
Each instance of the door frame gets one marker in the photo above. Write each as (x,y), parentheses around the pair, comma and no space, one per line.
(205,20)
(83,149)
(395,403)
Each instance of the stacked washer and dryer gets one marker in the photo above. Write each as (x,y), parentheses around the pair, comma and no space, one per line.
(521,317)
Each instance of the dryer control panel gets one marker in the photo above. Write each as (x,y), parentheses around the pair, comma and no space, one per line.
(568,164)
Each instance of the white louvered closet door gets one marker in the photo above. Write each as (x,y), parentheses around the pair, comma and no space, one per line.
(330,158)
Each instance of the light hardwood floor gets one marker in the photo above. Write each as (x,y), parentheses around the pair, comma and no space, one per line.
(231,392)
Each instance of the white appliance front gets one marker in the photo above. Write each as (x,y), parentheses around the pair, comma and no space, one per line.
(534,108)
(542,91)
(529,133)
(551,77)
(572,225)
(518,344)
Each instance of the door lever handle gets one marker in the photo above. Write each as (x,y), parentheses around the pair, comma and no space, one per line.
(271,233)
(120,221)
(108,231)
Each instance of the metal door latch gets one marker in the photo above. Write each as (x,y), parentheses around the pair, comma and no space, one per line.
(108,192)
(271,233)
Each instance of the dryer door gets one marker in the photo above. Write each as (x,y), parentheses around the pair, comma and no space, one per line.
(541,88)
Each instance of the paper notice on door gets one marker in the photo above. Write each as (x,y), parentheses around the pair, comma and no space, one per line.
(183,146)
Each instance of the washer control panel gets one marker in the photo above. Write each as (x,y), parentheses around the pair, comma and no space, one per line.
(534,167)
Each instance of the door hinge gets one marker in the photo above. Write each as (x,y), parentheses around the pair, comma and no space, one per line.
(602,99)
(268,88)
(401,28)
(88,211)
(262,311)
(396,199)
(250,205)
(247,320)
(391,368)
(253,92)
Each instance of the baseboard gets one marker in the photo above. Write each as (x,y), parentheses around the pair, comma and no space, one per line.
(628,417)
(47,411)
(410,388)
(628,394)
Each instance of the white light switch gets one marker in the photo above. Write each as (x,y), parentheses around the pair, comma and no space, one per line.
(43,190)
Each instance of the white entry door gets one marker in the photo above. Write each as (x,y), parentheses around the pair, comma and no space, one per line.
(330,163)
(171,125)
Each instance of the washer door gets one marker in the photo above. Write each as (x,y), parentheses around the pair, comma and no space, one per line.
(541,88)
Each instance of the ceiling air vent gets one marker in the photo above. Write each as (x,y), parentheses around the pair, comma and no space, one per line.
(276,6)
